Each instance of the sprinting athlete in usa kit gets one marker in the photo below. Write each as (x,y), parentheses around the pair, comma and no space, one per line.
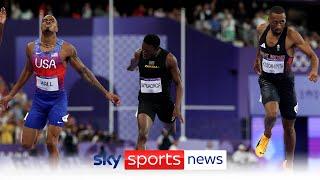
(273,63)
(47,59)
(157,69)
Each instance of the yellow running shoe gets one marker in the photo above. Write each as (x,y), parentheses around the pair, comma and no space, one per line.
(262,146)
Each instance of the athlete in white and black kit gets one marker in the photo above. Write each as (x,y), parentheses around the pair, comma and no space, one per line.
(273,63)
(157,68)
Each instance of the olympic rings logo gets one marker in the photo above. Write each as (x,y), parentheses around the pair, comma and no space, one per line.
(301,62)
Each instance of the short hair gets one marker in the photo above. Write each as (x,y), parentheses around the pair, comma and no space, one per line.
(152,39)
(277,10)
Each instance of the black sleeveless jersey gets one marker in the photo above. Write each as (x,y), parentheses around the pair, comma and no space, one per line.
(275,61)
(155,78)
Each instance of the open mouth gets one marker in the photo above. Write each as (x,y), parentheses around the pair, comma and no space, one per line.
(47,30)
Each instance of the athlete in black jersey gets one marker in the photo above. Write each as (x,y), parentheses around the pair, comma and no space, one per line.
(157,68)
(273,64)
(3,17)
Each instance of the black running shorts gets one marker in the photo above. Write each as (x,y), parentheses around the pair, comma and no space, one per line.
(163,109)
(281,90)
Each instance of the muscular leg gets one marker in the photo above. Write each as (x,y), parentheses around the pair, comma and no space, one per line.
(29,137)
(289,140)
(144,125)
(165,113)
(271,109)
(52,144)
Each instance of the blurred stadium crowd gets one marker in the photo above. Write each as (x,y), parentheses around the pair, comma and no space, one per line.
(228,20)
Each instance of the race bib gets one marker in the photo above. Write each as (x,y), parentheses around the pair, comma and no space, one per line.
(151,85)
(274,67)
(47,84)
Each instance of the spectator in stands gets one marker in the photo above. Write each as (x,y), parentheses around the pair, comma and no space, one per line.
(87,11)
(139,11)
(228,27)
(45,8)
(159,13)
(215,25)
(314,40)
(26,14)
(15,11)
(7,130)
(209,18)
(207,12)
(98,11)
(199,17)
(175,14)
(241,12)
(259,18)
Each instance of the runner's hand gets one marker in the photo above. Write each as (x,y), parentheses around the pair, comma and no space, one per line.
(4,102)
(313,76)
(177,114)
(113,98)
